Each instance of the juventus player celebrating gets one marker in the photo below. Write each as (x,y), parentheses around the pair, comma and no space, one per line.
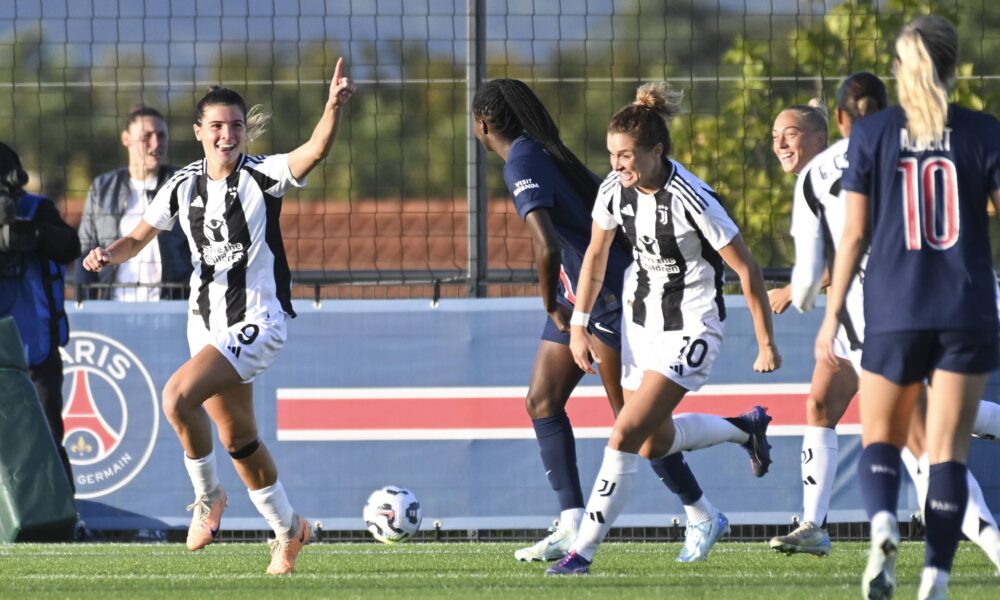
(672,325)
(228,205)
(918,180)
(554,193)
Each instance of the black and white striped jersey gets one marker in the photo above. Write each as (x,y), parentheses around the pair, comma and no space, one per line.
(819,210)
(677,274)
(240,268)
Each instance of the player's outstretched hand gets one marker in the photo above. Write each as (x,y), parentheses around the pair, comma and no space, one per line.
(341,87)
(96,259)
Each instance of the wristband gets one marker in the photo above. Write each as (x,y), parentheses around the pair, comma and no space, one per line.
(579,318)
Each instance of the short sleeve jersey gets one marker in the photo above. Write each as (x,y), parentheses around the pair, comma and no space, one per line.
(819,210)
(240,268)
(676,234)
(535,181)
(930,265)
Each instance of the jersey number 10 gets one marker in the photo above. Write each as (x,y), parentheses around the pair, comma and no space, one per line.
(925,215)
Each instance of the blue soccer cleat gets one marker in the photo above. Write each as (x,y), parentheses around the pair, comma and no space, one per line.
(754,422)
(571,564)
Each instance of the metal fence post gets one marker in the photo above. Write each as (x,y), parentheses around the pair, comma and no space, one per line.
(476,155)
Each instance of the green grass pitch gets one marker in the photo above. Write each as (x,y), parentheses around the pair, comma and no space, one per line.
(457,570)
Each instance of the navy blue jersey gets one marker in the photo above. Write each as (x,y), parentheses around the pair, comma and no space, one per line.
(535,181)
(930,265)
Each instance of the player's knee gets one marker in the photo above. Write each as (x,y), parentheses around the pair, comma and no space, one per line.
(174,398)
(539,406)
(817,412)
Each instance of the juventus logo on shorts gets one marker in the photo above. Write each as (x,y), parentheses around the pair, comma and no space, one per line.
(607,488)
(807,456)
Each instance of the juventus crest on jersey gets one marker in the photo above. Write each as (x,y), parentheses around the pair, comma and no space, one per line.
(240,268)
(676,234)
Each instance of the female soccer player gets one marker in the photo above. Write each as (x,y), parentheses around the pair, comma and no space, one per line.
(817,218)
(228,205)
(918,180)
(554,193)
(672,322)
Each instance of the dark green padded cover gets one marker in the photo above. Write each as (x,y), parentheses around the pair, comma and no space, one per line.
(36,503)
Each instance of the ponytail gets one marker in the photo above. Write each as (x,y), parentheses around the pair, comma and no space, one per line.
(926,59)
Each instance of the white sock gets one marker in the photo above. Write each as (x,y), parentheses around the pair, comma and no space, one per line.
(607,499)
(819,471)
(695,431)
(702,510)
(202,472)
(570,518)
(987,423)
(976,511)
(272,503)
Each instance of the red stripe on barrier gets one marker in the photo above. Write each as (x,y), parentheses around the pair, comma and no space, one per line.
(408,413)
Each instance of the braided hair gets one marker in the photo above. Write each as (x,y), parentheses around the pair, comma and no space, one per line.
(510,107)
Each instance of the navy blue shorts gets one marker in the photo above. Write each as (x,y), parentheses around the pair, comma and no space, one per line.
(606,327)
(906,357)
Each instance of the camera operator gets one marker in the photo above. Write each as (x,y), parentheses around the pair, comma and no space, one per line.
(34,244)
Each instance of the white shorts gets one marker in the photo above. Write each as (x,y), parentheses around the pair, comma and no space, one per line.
(251,346)
(842,349)
(684,357)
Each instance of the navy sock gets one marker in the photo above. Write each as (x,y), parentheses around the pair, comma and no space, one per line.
(675,473)
(947,495)
(558,449)
(878,477)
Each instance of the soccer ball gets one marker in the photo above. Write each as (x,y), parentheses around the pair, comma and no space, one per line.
(392,514)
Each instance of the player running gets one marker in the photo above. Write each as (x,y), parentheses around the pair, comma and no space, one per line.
(554,194)
(672,323)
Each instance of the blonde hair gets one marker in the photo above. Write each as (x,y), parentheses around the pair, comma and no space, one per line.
(256,122)
(926,57)
(647,119)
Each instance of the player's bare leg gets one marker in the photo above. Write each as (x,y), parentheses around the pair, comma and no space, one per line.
(198,379)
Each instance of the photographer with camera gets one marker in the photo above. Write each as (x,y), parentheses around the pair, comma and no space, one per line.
(34,244)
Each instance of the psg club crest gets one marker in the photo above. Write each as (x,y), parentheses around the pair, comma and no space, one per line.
(110,412)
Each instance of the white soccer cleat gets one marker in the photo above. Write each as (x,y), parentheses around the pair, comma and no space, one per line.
(933,585)
(879,579)
(989,541)
(206,519)
(700,537)
(807,538)
(285,549)
(553,547)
